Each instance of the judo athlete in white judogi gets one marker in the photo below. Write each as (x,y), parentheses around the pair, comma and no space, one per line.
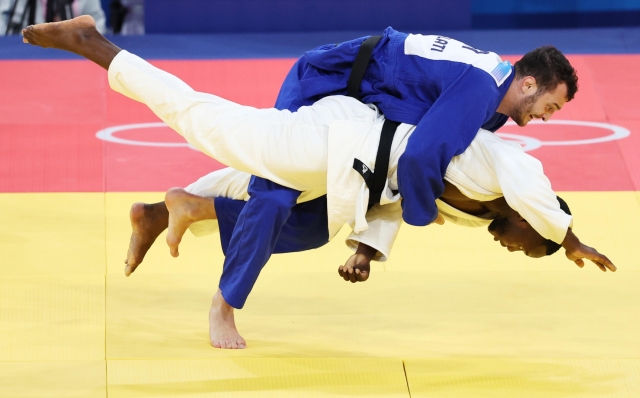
(313,149)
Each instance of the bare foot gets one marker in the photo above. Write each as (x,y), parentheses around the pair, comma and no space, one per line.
(184,210)
(65,35)
(222,326)
(78,35)
(147,222)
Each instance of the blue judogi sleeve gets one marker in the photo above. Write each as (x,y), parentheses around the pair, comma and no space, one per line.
(445,131)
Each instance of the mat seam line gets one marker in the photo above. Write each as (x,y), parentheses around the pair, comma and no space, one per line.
(105,109)
(106,365)
(406,379)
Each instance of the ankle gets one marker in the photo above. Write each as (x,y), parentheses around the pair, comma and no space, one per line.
(219,303)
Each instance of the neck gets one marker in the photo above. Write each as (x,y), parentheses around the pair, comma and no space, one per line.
(454,198)
(499,207)
(509,99)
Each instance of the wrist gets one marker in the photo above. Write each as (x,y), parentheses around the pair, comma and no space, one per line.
(570,241)
(366,251)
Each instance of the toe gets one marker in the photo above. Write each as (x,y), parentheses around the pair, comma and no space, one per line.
(173,248)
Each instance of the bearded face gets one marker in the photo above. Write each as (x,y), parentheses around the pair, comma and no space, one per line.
(524,110)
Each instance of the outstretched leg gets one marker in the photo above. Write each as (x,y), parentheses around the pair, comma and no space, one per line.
(222,327)
(185,209)
(288,148)
(78,35)
(147,222)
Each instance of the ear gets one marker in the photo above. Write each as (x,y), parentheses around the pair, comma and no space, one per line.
(521,222)
(528,86)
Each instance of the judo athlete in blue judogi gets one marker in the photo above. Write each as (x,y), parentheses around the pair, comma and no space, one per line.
(444,87)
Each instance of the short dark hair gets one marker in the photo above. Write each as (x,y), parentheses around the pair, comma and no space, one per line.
(552,246)
(549,67)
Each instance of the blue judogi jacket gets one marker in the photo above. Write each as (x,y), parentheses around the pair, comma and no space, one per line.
(446,89)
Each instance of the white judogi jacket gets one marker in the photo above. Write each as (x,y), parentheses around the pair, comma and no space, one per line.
(490,168)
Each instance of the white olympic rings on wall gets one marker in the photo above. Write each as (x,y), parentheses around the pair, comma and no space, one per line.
(528,143)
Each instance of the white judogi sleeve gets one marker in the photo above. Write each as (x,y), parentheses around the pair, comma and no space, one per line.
(528,191)
(384,223)
(492,167)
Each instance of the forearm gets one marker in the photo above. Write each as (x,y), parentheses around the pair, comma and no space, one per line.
(571,241)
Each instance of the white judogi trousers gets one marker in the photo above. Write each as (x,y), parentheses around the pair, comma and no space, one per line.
(288,148)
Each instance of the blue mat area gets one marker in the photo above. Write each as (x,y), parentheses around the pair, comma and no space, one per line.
(286,45)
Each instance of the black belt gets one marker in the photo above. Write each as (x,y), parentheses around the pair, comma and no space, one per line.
(374,180)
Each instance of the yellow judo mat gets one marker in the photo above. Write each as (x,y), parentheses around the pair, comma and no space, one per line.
(451,314)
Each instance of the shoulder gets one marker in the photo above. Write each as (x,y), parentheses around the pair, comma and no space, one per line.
(442,48)
(501,150)
(495,143)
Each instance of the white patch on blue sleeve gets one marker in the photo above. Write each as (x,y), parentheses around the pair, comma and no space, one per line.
(442,48)
(501,71)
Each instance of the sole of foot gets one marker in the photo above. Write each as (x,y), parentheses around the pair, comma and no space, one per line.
(65,35)
(146,225)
